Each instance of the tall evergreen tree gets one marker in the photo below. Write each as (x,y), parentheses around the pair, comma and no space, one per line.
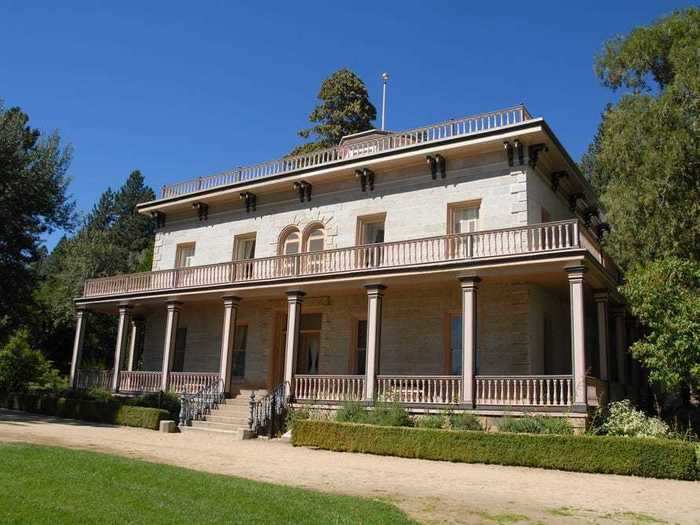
(33,201)
(645,163)
(344,108)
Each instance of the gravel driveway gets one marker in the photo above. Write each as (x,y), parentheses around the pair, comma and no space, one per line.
(429,491)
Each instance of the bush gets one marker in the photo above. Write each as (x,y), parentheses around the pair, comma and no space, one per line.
(625,420)
(23,368)
(432,421)
(390,414)
(352,412)
(296,414)
(604,454)
(166,400)
(464,422)
(535,425)
(98,411)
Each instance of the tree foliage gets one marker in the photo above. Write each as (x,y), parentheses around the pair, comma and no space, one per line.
(645,164)
(344,108)
(112,239)
(33,201)
(22,367)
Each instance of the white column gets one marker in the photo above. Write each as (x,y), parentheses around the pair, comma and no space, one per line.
(294,300)
(120,348)
(228,337)
(77,345)
(578,334)
(601,301)
(620,344)
(469,287)
(375,295)
(136,328)
(169,344)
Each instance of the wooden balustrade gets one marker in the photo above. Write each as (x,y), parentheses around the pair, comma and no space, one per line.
(440,390)
(329,387)
(191,382)
(392,142)
(139,381)
(431,250)
(545,390)
(94,378)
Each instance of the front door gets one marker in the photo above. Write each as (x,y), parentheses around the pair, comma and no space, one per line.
(309,350)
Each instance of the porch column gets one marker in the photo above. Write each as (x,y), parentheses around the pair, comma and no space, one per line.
(578,334)
(228,337)
(620,344)
(169,344)
(294,300)
(601,301)
(469,287)
(375,294)
(136,331)
(77,345)
(120,348)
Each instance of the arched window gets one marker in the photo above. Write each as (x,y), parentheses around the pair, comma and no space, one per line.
(315,239)
(290,243)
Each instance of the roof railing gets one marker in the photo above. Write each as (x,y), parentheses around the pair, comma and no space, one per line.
(391,142)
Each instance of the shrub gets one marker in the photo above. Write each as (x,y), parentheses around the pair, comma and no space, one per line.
(604,454)
(464,422)
(431,421)
(98,411)
(390,414)
(352,412)
(166,400)
(21,367)
(625,420)
(535,425)
(296,414)
(96,393)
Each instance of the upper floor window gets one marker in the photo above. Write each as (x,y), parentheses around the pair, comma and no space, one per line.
(370,229)
(184,255)
(290,244)
(463,217)
(244,247)
(315,239)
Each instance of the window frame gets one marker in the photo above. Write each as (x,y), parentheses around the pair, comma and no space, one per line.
(179,248)
(238,243)
(454,207)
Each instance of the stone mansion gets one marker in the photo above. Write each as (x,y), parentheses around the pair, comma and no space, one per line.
(456,265)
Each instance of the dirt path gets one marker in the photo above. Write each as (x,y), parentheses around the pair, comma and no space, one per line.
(429,491)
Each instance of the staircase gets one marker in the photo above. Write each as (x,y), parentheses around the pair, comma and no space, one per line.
(231,416)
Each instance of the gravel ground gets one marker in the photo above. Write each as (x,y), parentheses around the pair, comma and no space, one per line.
(429,491)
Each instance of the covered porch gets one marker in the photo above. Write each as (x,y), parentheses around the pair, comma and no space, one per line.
(534,336)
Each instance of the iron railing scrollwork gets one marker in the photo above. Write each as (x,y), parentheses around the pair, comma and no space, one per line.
(197,405)
(268,413)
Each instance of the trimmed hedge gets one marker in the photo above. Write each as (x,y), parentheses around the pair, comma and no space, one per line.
(653,458)
(108,411)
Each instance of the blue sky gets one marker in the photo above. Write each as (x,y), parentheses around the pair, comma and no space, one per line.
(182,89)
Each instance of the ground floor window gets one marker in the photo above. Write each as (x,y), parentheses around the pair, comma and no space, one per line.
(239,350)
(180,344)
(361,347)
(455,350)
(309,352)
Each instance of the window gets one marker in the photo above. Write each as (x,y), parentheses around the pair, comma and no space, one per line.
(309,344)
(456,344)
(244,247)
(463,217)
(180,345)
(370,230)
(291,242)
(239,347)
(361,347)
(315,240)
(184,255)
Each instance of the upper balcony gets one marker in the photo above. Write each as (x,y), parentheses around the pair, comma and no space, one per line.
(354,150)
(424,253)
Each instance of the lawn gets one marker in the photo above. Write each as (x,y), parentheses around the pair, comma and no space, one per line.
(55,485)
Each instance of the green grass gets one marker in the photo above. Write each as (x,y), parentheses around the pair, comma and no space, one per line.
(54,485)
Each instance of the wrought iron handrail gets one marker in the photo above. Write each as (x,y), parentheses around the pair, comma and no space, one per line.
(195,406)
(465,126)
(267,413)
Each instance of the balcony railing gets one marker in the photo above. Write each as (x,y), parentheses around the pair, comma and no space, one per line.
(433,390)
(329,387)
(543,391)
(535,238)
(392,142)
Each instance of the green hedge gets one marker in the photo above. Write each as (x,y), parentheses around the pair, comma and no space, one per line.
(654,458)
(108,411)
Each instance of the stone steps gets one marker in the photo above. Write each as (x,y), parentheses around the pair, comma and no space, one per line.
(230,417)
